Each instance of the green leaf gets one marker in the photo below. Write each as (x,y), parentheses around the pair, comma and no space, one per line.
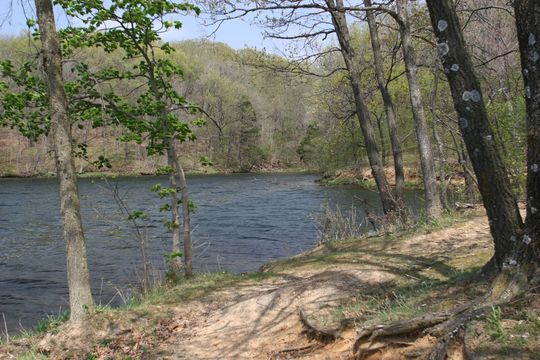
(137,214)
(205,161)
(173,255)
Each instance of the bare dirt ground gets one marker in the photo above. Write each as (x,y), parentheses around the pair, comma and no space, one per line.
(260,320)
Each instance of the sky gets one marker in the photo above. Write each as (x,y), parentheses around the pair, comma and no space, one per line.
(236,33)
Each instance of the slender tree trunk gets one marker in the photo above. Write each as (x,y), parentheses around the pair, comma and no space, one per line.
(493,183)
(431,187)
(186,226)
(387,102)
(440,146)
(80,294)
(339,21)
(175,264)
(381,136)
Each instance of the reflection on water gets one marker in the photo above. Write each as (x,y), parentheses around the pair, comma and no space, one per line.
(241,222)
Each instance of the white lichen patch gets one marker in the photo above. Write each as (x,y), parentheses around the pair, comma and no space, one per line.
(533,210)
(442,25)
(488,137)
(528,92)
(473,95)
(526,239)
(443,49)
(513,238)
(525,72)
(512,262)
(532,39)
(534,168)
(454,67)
(463,123)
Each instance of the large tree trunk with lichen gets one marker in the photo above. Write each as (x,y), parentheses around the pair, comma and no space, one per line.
(80,295)
(528,30)
(370,140)
(493,184)
(388,103)
(431,187)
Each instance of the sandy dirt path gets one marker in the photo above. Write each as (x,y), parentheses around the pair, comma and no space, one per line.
(261,321)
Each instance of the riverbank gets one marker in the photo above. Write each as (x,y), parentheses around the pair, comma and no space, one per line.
(363,178)
(339,285)
(209,170)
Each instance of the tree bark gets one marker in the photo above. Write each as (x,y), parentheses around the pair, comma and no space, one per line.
(528,30)
(80,294)
(493,183)
(388,103)
(431,187)
(443,188)
(175,264)
(186,222)
(339,21)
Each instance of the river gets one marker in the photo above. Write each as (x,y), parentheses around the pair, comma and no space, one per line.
(241,222)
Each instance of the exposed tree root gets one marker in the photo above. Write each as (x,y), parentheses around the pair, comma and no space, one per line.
(365,341)
(297,351)
(449,327)
(324,335)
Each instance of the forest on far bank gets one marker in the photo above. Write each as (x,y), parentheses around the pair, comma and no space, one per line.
(271,112)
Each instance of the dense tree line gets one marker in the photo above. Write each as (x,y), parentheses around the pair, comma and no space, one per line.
(255,117)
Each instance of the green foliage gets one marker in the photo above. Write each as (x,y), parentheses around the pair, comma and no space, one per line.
(137,214)
(170,225)
(307,149)
(23,100)
(165,170)
(494,324)
(102,162)
(133,30)
(510,136)
(51,322)
(173,255)
(192,206)
(205,161)
(165,207)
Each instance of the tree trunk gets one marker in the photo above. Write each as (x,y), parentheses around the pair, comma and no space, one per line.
(175,263)
(188,246)
(528,30)
(339,21)
(381,136)
(443,188)
(80,294)
(431,188)
(493,183)
(387,102)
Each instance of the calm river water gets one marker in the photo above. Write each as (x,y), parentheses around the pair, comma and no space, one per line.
(241,222)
